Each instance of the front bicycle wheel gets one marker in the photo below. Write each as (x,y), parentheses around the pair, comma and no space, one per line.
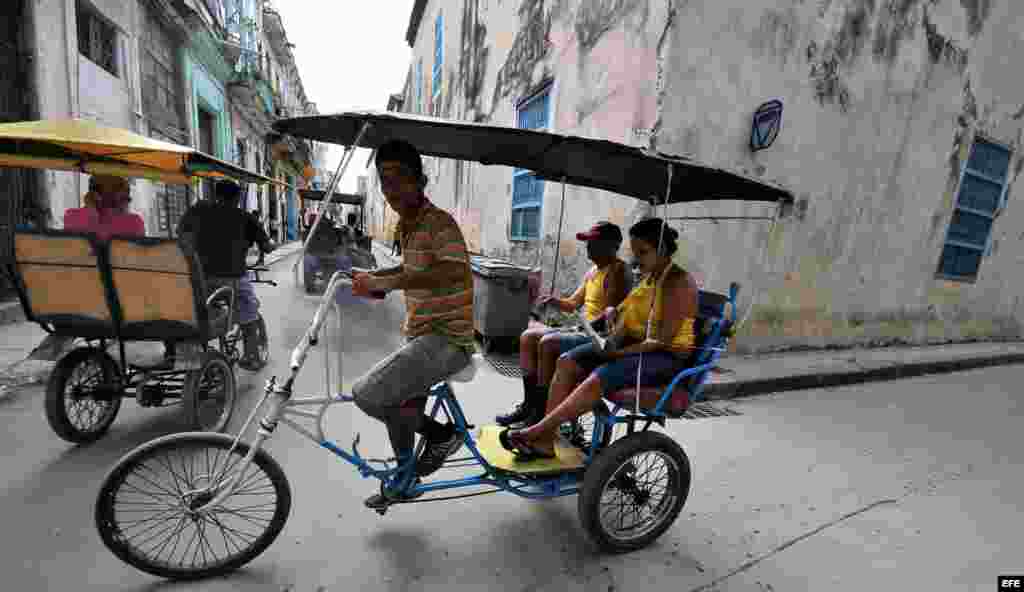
(147,511)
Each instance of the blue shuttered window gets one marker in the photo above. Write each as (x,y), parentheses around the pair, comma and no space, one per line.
(435,80)
(982,193)
(527,190)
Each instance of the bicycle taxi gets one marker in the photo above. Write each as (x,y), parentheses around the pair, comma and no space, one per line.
(323,257)
(610,464)
(102,294)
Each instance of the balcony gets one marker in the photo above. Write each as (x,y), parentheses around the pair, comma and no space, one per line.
(251,83)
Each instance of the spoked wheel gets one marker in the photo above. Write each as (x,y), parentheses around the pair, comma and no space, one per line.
(147,511)
(262,344)
(262,347)
(580,432)
(83,395)
(210,393)
(634,491)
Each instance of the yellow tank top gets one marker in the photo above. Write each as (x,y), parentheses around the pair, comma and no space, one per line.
(595,297)
(635,309)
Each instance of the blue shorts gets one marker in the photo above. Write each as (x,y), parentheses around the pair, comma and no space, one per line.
(658,367)
(570,341)
(247,305)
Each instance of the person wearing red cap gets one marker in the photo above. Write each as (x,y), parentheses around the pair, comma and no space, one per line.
(604,286)
(652,340)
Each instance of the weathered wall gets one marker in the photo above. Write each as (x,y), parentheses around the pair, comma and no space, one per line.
(602,59)
(882,101)
(55,57)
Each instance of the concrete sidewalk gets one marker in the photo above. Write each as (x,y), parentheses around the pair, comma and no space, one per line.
(742,376)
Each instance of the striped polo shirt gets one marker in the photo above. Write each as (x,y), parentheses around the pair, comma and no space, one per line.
(431,238)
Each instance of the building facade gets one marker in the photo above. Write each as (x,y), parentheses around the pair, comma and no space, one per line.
(212,74)
(900,137)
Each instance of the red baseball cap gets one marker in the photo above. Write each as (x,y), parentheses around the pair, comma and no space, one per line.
(601,231)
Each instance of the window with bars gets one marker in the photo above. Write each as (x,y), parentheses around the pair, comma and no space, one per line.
(160,92)
(97,39)
(981,195)
(435,79)
(171,200)
(527,189)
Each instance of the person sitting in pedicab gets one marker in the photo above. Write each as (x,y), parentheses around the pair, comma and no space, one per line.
(604,285)
(585,373)
(106,210)
(438,327)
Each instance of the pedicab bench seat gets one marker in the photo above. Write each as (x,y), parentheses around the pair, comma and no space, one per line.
(161,292)
(60,281)
(709,328)
(140,289)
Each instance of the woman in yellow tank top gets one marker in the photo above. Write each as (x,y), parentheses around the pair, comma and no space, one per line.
(664,339)
(604,286)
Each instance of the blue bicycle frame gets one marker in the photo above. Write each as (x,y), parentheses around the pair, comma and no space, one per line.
(398,474)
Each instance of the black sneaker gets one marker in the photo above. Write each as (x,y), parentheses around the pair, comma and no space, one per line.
(520,413)
(436,452)
(385,499)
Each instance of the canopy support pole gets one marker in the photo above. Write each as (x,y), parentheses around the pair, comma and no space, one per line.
(654,297)
(558,239)
(760,264)
(342,167)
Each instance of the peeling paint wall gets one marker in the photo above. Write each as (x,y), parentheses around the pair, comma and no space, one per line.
(883,99)
(882,102)
(602,58)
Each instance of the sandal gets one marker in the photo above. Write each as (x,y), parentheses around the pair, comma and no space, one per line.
(518,446)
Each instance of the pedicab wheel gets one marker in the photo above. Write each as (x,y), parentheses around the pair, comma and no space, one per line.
(210,393)
(634,491)
(83,395)
(146,508)
(262,346)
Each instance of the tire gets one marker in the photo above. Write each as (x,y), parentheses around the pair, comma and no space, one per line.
(215,368)
(614,470)
(262,347)
(105,392)
(262,343)
(171,449)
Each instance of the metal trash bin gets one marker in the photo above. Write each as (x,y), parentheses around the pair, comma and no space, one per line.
(501,299)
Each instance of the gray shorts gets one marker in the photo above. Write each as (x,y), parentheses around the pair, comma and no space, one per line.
(409,372)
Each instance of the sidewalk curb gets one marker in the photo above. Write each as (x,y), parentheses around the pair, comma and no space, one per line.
(747,388)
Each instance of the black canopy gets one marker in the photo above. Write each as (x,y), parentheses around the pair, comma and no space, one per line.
(600,164)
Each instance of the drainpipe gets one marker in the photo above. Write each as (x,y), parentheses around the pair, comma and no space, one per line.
(71,54)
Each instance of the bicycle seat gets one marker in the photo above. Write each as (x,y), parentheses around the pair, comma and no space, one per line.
(467,373)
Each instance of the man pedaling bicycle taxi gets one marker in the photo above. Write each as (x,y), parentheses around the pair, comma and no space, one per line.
(438,285)
(221,233)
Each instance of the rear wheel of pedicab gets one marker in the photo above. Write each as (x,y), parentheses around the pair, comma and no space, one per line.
(634,491)
(262,345)
(146,510)
(83,395)
(210,393)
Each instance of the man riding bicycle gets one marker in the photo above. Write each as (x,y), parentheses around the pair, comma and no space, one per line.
(221,234)
(438,286)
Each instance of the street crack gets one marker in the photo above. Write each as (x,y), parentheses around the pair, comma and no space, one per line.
(749,564)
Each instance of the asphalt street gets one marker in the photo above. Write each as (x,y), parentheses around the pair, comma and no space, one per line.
(912,484)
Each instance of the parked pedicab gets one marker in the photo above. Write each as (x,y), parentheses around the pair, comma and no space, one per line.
(327,250)
(103,294)
(631,486)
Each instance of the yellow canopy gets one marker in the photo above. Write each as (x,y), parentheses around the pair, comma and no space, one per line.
(88,147)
